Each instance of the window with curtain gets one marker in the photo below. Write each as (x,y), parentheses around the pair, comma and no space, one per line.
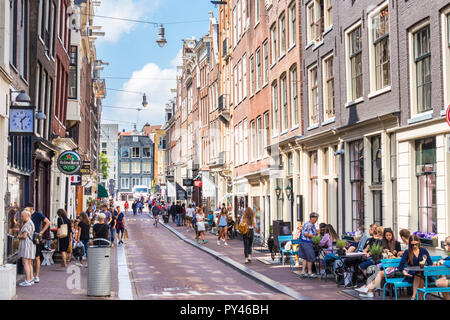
(252,75)
(146,167)
(426,184)
(124,152)
(259,142)
(136,167)
(357,182)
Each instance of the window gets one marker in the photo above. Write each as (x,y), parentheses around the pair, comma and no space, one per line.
(328,86)
(24,40)
(234,28)
(275,107)
(355,63)
(258,69)
(426,183)
(146,167)
(313,97)
(284,105)
(357,182)
(241,143)
(104,145)
(239,19)
(376,160)
(422,61)
(314,181)
(380,47)
(13,33)
(244,15)
(252,75)
(446,56)
(319,20)
(236,145)
(273,37)
(240,81)
(124,152)
(146,153)
(328,13)
(245,150)
(282,25)
(146,182)
(125,183)
(125,167)
(235,91)
(294,96)
(265,63)
(311,23)
(256,11)
(253,141)
(244,77)
(135,182)
(377,207)
(73,72)
(266,132)
(292,25)
(259,142)
(290,166)
(325,162)
(135,152)
(136,167)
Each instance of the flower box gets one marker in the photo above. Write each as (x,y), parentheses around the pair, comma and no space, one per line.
(429,242)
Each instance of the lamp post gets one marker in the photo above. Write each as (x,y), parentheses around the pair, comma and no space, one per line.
(278,193)
(289,192)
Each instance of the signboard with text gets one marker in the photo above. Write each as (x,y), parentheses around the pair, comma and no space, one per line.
(69,162)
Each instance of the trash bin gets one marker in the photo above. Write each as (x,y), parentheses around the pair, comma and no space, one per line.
(99,269)
(166,218)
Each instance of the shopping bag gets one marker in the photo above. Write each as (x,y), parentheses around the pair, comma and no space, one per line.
(126,234)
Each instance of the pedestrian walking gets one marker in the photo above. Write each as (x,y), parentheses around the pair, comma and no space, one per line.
(126,206)
(155,212)
(189,216)
(101,230)
(139,207)
(83,232)
(120,225)
(183,214)
(64,238)
(27,250)
(134,207)
(38,219)
(172,211)
(249,219)
(201,226)
(223,232)
(112,227)
(179,212)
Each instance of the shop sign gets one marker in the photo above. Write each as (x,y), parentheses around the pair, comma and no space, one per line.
(198,183)
(75,180)
(448,115)
(69,162)
(188,182)
(85,169)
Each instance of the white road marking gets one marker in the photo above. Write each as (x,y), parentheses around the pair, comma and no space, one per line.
(213,293)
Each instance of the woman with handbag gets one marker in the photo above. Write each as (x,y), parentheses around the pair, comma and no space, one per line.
(27,249)
(248,218)
(64,234)
(201,226)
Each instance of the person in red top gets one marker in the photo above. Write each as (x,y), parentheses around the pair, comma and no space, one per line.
(126,206)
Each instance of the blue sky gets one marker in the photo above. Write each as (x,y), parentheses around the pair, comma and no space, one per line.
(132,53)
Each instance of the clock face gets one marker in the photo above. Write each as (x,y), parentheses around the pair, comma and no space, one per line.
(21,121)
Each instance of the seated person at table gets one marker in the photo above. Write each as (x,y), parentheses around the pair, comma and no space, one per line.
(377,239)
(322,226)
(295,236)
(362,241)
(444,281)
(367,290)
(327,243)
(390,245)
(306,248)
(415,256)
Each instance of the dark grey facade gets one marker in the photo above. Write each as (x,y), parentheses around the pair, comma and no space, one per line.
(136,153)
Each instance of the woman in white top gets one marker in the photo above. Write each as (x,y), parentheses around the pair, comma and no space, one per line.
(27,249)
(249,218)
(189,215)
(200,226)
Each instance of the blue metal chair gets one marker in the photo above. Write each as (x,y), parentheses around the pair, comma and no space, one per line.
(283,251)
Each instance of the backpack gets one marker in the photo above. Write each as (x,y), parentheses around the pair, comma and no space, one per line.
(243,228)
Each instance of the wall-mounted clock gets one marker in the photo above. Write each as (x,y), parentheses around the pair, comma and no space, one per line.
(21,120)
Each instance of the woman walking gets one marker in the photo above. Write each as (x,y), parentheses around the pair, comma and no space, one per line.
(201,226)
(112,225)
(248,218)
(64,242)
(189,215)
(120,225)
(27,250)
(83,232)
(223,231)
(126,206)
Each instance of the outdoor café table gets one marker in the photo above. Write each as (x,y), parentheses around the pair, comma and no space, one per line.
(413,268)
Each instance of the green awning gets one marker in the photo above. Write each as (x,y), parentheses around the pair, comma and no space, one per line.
(102,193)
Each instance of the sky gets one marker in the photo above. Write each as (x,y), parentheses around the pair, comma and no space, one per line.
(134,56)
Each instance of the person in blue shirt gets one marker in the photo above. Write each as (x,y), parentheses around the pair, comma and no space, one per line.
(415,256)
(444,282)
(306,248)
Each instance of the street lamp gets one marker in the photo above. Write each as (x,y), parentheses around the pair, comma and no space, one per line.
(278,192)
(289,192)
(144,100)
(161,40)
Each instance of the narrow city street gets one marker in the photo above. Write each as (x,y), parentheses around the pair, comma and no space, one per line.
(163,267)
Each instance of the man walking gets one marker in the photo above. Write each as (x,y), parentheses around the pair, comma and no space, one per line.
(179,212)
(172,211)
(37,218)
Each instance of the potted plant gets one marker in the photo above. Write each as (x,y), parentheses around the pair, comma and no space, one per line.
(316,241)
(427,239)
(375,252)
(340,244)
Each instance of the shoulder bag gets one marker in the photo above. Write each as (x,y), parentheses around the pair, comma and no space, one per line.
(62,231)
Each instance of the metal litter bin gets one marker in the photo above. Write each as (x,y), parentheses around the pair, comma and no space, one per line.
(99,269)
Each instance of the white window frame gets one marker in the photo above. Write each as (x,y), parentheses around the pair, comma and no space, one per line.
(328,14)
(240,81)
(292,24)
(273,43)
(266,135)
(123,185)
(265,63)
(252,140)
(310,98)
(257,12)
(282,31)
(284,106)
(252,75)
(348,72)
(235,90)
(245,151)
(326,115)
(239,19)
(122,166)
(244,77)
(235,35)
(135,167)
(310,27)
(445,23)
(274,89)
(149,164)
(294,104)
(372,67)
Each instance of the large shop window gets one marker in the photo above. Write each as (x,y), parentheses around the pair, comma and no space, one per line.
(426,180)
(357,182)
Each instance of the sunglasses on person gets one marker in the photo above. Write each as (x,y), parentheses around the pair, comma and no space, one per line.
(415,244)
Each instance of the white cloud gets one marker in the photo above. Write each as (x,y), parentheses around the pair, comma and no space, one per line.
(156,83)
(127,9)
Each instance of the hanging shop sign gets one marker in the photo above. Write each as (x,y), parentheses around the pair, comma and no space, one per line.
(448,115)
(85,169)
(69,162)
(75,180)
(198,183)
(188,182)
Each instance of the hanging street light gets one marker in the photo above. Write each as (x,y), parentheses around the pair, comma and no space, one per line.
(278,192)
(144,101)
(161,40)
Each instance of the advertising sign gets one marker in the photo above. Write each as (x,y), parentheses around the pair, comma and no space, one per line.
(188,182)
(69,162)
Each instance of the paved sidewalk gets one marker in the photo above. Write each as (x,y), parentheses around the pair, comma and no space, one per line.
(59,283)
(314,289)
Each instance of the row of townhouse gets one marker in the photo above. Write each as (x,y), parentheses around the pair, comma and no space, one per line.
(336,107)
(47,53)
